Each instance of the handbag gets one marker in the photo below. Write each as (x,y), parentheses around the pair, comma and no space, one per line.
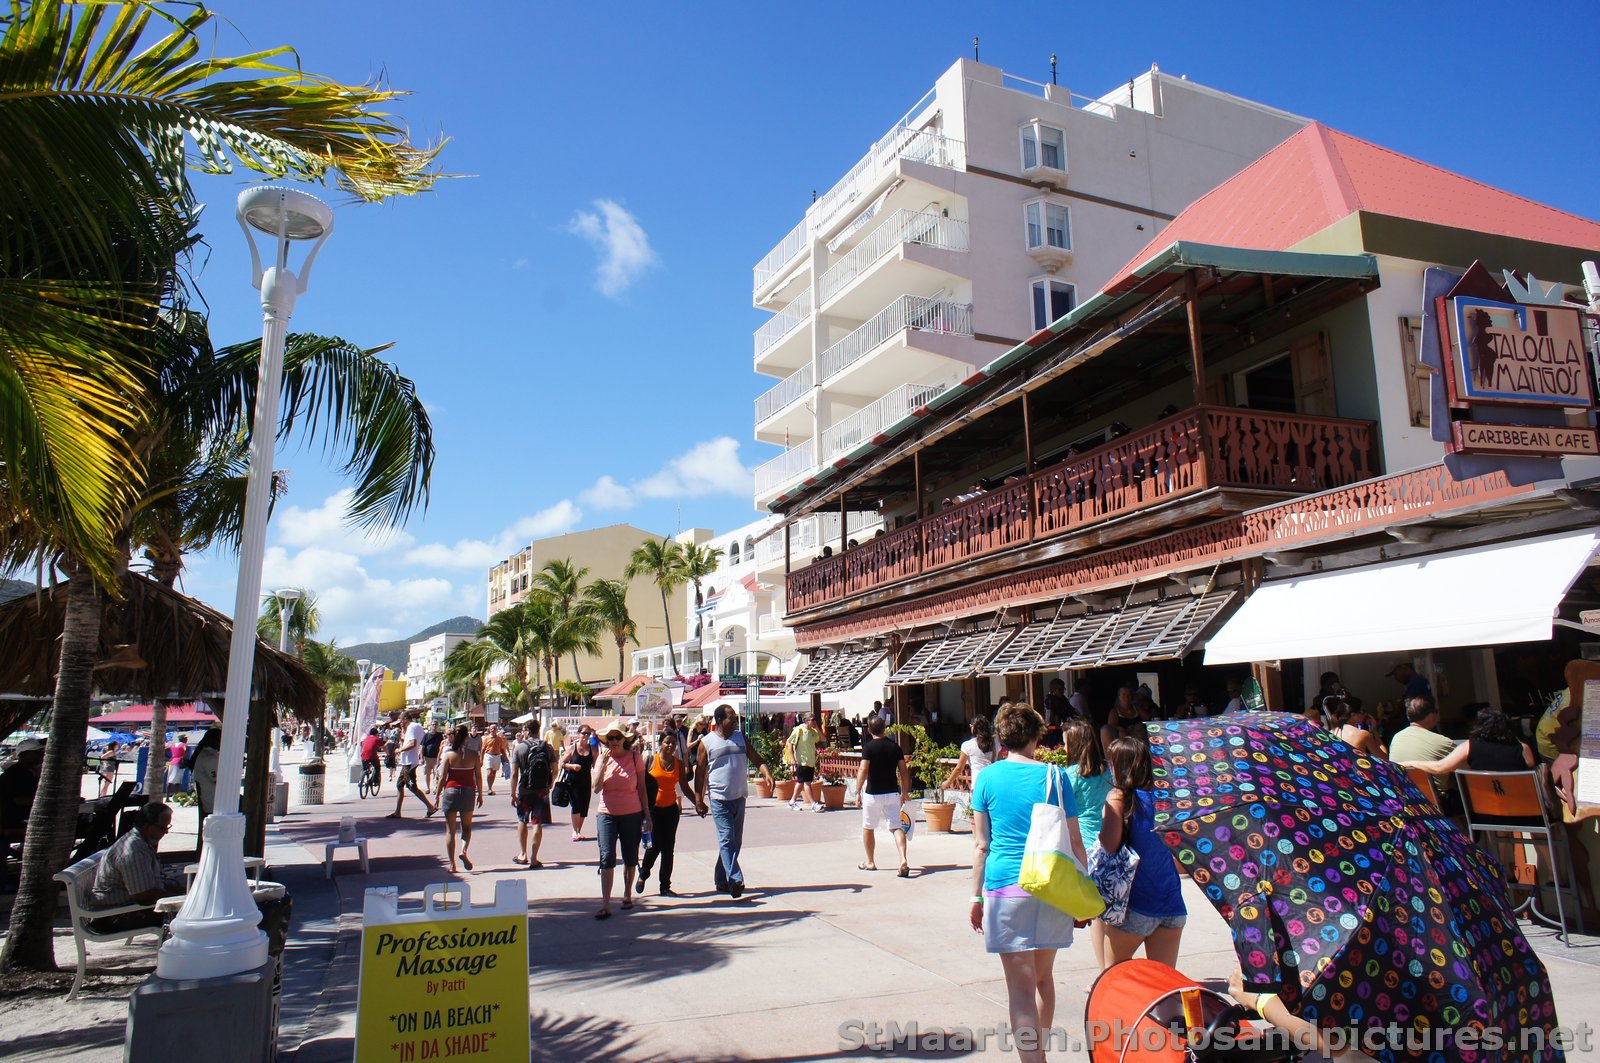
(1113,873)
(1050,872)
(561,792)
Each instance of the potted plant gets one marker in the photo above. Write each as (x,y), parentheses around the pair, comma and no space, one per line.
(833,791)
(928,770)
(770,748)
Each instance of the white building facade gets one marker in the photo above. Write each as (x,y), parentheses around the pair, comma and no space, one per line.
(425,663)
(981,217)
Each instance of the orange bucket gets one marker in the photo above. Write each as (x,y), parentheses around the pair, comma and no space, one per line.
(1140,1011)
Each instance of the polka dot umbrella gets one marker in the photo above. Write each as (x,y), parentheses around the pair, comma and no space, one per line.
(1347,892)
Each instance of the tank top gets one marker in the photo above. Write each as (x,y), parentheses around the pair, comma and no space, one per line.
(667,782)
(1156,890)
(1494,756)
(462,777)
(619,784)
(727,766)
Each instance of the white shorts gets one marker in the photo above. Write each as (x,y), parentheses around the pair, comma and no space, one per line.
(880,810)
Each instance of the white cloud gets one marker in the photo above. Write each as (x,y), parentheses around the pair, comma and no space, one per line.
(521,263)
(326,526)
(484,553)
(606,493)
(709,468)
(358,606)
(625,251)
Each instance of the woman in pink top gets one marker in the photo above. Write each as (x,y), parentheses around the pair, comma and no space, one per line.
(624,815)
(176,755)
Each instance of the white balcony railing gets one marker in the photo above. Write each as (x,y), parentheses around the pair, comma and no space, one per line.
(866,423)
(790,390)
(783,322)
(808,535)
(904,227)
(788,249)
(786,468)
(913,145)
(767,624)
(906,312)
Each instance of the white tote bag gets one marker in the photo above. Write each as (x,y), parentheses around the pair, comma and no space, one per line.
(1050,871)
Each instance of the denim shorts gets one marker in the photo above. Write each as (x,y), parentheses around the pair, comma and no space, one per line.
(1142,926)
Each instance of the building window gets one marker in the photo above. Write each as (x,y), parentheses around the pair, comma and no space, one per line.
(733,552)
(1048,225)
(1043,147)
(1052,300)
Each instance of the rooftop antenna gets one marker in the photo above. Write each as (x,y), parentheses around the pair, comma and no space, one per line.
(974,47)
(1052,68)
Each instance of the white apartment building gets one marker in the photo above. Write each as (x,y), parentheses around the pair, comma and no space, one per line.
(426,661)
(741,629)
(977,220)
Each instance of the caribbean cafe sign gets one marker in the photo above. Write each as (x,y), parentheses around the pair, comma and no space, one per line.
(1519,374)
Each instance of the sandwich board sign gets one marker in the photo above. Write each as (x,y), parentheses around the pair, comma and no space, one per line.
(652,701)
(447,980)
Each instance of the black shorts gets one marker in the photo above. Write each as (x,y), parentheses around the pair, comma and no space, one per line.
(803,774)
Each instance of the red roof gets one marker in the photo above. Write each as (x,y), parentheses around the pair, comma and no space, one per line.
(1320,176)
(624,688)
(701,697)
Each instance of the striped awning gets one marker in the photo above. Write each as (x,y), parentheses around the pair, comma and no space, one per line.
(834,674)
(1161,630)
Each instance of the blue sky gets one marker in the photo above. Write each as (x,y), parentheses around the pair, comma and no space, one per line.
(576,312)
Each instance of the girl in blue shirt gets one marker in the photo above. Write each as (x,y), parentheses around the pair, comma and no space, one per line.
(1091,785)
(1023,930)
(1156,912)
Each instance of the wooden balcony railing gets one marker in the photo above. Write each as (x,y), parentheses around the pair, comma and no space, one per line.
(1200,448)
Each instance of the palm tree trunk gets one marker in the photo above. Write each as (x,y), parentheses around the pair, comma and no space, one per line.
(155,764)
(52,825)
(699,625)
(576,675)
(622,665)
(666,614)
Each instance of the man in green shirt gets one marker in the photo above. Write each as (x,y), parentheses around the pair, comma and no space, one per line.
(1421,741)
(803,755)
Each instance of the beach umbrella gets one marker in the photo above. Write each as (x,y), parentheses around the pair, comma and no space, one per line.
(1346,891)
(94,734)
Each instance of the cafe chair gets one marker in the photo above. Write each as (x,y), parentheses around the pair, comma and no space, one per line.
(1514,805)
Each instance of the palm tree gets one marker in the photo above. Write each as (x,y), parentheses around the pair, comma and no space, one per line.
(464,676)
(563,583)
(93,229)
(608,601)
(662,561)
(304,618)
(502,643)
(551,634)
(98,108)
(336,672)
(700,561)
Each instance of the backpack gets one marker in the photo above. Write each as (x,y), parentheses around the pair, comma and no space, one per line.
(534,770)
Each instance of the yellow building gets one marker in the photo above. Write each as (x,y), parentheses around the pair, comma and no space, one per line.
(605,553)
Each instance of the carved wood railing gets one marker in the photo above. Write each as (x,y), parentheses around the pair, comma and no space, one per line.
(1200,448)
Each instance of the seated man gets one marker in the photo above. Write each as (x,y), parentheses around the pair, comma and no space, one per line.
(1421,741)
(18,785)
(130,873)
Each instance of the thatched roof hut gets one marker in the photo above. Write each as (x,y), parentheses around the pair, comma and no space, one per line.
(154,643)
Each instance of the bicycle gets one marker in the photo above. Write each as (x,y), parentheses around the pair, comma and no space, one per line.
(371,779)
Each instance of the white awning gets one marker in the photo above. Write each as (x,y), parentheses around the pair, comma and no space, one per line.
(1507,592)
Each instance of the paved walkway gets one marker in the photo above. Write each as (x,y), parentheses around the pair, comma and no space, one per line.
(814,946)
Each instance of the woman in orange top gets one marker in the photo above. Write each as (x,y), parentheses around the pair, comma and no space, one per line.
(666,768)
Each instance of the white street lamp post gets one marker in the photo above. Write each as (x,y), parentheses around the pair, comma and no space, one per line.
(216,932)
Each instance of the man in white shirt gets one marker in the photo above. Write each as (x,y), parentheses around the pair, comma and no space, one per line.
(410,756)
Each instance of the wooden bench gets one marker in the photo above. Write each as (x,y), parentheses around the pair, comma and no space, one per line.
(77,879)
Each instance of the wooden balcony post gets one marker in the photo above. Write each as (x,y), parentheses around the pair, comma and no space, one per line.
(844,524)
(916,476)
(1191,298)
(788,559)
(1027,430)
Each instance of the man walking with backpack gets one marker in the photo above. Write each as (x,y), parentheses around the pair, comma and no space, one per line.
(533,764)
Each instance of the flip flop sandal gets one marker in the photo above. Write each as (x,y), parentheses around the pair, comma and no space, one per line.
(518,860)
(904,872)
(602,914)
(466,863)
(866,867)
(627,906)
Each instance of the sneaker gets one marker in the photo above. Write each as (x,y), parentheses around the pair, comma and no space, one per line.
(794,806)
(734,889)
(819,807)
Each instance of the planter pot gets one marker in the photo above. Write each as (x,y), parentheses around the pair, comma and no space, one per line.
(784,790)
(763,789)
(938,815)
(833,796)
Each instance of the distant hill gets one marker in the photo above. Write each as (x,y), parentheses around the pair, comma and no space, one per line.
(397,654)
(17,588)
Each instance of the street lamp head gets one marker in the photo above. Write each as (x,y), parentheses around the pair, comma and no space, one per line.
(287,595)
(363,665)
(286,213)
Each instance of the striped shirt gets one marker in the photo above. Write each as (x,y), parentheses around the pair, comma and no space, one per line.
(130,867)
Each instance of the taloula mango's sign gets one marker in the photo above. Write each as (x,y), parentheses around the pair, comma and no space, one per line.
(1510,353)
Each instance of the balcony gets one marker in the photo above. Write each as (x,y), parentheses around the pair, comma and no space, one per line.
(777,273)
(901,238)
(781,413)
(782,342)
(862,426)
(1202,448)
(791,466)
(808,535)
(904,320)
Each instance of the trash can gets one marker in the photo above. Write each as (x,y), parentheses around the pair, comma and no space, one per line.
(276,906)
(311,780)
(280,798)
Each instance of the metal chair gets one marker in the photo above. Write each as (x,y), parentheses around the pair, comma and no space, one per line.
(1424,782)
(1513,804)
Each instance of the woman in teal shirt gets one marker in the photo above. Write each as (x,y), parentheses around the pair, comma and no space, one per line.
(1091,783)
(1023,930)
